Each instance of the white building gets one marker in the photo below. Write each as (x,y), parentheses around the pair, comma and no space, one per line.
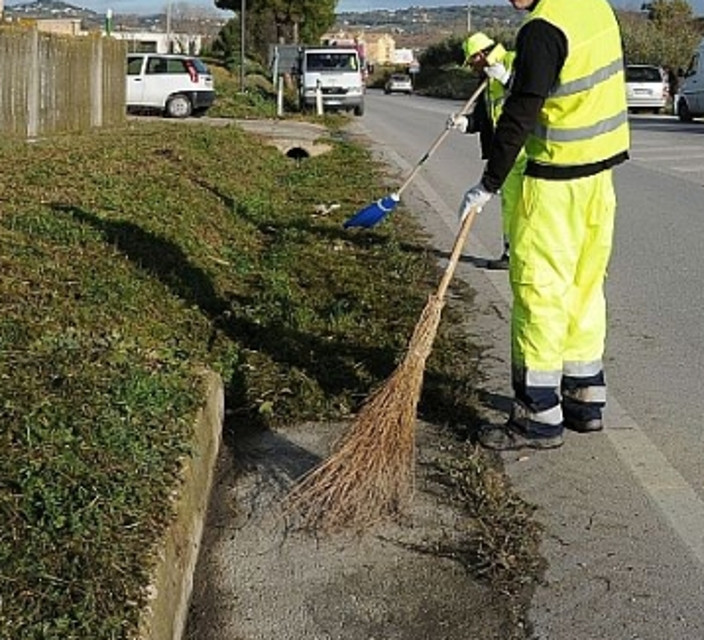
(159,42)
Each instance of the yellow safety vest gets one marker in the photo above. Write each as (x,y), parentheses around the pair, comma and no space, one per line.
(585,118)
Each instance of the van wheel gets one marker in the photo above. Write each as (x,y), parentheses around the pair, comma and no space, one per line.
(359,110)
(178,106)
(683,112)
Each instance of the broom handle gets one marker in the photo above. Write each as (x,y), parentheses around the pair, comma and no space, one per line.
(438,141)
(456,252)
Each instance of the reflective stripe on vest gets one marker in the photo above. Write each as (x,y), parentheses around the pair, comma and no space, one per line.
(584,120)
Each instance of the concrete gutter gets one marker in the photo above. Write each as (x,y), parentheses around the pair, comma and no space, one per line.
(288,135)
(164,617)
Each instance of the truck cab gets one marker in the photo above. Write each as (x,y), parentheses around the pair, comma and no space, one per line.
(334,73)
(689,101)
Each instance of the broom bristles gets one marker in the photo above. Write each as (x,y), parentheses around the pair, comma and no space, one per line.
(370,476)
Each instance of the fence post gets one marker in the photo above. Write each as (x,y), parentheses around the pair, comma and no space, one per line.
(280,96)
(318,98)
(96,85)
(33,86)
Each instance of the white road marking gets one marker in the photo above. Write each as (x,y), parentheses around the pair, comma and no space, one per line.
(688,169)
(679,156)
(680,504)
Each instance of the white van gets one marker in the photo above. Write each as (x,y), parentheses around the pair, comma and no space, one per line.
(334,71)
(689,101)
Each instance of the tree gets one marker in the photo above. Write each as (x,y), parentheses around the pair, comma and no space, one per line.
(190,25)
(227,44)
(666,35)
(440,54)
(282,21)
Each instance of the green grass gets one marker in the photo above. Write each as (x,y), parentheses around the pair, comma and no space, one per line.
(128,261)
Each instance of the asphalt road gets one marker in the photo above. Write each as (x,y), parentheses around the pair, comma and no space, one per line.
(624,509)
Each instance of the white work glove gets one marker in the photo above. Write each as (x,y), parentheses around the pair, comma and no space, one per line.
(459,122)
(497,71)
(476,197)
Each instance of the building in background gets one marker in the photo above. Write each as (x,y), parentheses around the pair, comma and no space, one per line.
(160,42)
(60,26)
(374,48)
(381,48)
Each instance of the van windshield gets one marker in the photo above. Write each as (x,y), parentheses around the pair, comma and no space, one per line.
(331,62)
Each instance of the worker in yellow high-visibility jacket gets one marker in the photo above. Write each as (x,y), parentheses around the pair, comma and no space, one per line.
(567,107)
(484,55)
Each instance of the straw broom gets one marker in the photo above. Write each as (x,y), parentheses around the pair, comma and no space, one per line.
(371,474)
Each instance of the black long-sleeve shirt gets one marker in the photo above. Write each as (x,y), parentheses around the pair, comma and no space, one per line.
(480,122)
(541,50)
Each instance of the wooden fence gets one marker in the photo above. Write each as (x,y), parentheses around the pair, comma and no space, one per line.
(54,84)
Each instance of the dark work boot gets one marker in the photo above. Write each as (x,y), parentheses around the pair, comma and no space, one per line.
(512,436)
(499,264)
(583,426)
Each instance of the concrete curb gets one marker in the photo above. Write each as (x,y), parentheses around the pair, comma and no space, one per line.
(164,618)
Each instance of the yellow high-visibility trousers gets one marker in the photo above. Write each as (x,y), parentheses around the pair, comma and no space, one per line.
(561,238)
(511,195)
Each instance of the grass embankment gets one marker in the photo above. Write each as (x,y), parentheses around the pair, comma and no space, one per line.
(130,260)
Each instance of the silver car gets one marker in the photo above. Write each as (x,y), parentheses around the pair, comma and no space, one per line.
(398,83)
(646,87)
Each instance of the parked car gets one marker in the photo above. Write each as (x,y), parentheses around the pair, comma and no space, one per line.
(398,83)
(689,101)
(175,85)
(646,87)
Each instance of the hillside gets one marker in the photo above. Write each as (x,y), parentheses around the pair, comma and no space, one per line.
(190,18)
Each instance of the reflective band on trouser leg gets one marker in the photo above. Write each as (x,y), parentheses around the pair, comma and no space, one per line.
(537,404)
(583,395)
(561,237)
(583,384)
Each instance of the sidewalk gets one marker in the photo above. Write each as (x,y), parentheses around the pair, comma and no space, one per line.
(256,581)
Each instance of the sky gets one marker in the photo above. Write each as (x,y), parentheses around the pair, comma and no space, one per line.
(127,6)
(366,5)
(158,6)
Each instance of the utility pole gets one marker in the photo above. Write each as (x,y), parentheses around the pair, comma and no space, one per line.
(168,26)
(242,31)
(108,22)
(469,17)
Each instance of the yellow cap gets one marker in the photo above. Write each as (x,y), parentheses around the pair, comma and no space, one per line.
(476,43)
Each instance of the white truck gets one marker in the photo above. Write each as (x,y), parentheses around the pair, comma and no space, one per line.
(331,77)
(689,101)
